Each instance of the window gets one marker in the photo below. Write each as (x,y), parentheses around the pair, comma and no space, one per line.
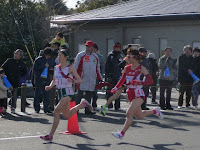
(110,43)
(136,41)
(162,45)
(196,44)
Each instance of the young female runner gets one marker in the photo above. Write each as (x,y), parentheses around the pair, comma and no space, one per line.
(63,79)
(132,75)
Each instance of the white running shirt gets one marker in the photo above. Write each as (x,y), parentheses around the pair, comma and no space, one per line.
(62,82)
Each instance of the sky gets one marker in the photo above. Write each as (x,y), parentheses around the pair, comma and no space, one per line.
(71,3)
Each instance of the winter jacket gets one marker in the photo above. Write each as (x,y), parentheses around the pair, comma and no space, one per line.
(14,69)
(112,69)
(88,68)
(147,64)
(184,63)
(38,68)
(154,67)
(196,65)
(3,89)
(163,63)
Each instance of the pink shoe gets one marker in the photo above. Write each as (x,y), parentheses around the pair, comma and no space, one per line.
(47,138)
(118,135)
(85,103)
(159,113)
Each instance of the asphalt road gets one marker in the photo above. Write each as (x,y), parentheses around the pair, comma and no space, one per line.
(179,130)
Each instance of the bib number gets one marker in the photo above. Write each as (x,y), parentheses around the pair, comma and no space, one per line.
(139,92)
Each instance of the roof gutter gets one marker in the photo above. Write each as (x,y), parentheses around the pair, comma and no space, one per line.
(133,18)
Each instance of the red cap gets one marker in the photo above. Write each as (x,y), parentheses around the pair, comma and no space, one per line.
(116,45)
(89,43)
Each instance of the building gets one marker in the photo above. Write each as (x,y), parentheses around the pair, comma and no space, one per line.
(155,24)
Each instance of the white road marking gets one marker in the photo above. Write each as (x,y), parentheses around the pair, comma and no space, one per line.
(21,137)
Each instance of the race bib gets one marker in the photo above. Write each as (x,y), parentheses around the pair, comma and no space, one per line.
(139,92)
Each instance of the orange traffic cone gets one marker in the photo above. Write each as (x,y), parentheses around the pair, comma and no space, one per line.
(73,126)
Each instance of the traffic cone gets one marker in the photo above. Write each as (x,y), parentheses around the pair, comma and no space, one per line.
(7,83)
(195,78)
(167,73)
(44,73)
(73,126)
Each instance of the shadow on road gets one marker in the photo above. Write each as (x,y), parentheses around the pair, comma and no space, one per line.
(99,118)
(156,146)
(81,146)
(18,117)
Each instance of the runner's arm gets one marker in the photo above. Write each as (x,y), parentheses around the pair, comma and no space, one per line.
(148,80)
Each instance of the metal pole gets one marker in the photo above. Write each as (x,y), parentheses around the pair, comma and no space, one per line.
(23,97)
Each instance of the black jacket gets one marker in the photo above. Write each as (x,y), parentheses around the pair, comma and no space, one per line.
(14,69)
(147,64)
(38,68)
(112,70)
(154,68)
(185,63)
(196,66)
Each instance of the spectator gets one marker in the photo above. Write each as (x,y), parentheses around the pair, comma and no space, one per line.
(185,63)
(113,71)
(55,48)
(40,63)
(88,68)
(14,69)
(196,71)
(165,80)
(3,93)
(59,38)
(154,75)
(102,71)
(147,64)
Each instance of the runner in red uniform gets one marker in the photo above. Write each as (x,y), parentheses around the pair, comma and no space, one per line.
(133,76)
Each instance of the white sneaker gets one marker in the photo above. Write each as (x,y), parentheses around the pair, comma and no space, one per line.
(180,107)
(118,135)
(195,107)
(110,109)
(86,104)
(159,113)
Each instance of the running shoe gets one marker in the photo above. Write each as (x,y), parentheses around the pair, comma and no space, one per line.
(180,107)
(103,110)
(159,113)
(47,138)
(118,135)
(86,104)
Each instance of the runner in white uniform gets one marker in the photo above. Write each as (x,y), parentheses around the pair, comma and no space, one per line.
(63,79)
(64,85)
